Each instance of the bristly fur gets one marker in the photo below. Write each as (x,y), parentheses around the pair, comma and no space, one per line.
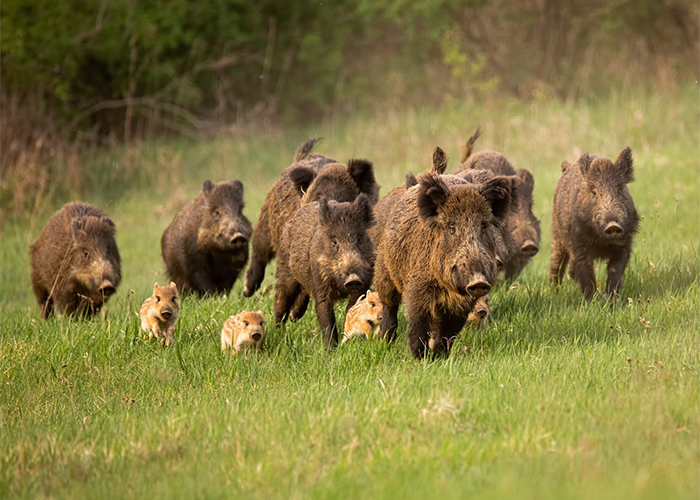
(594,217)
(438,256)
(410,180)
(304,150)
(469,145)
(304,182)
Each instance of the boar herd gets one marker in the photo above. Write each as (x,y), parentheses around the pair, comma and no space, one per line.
(435,244)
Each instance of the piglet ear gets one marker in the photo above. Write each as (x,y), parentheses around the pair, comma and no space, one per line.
(564,165)
(174,285)
(584,163)
(498,191)
(432,195)
(364,208)
(410,180)
(155,287)
(302,177)
(362,172)
(324,211)
(625,163)
(207,186)
(439,164)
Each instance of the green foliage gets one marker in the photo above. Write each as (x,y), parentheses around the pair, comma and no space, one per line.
(556,398)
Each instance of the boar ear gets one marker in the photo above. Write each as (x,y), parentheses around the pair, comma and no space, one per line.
(364,208)
(439,161)
(362,172)
(207,186)
(585,163)
(237,187)
(410,180)
(432,195)
(304,150)
(498,192)
(625,163)
(302,177)
(76,226)
(527,180)
(469,146)
(324,211)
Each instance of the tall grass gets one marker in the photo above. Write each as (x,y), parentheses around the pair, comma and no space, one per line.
(555,398)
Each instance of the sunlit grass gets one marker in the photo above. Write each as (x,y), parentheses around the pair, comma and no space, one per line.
(555,398)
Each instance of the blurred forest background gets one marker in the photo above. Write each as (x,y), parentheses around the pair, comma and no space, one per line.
(79,73)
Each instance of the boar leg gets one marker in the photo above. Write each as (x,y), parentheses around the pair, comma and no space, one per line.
(300,304)
(418,334)
(584,273)
(558,262)
(326,318)
(262,255)
(352,299)
(616,269)
(286,290)
(513,268)
(450,327)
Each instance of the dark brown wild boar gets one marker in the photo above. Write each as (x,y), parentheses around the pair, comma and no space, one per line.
(438,255)
(206,244)
(522,224)
(75,261)
(382,210)
(325,252)
(594,218)
(310,177)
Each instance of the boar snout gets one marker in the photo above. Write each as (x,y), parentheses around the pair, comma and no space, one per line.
(106,288)
(167,313)
(613,230)
(481,312)
(478,286)
(256,336)
(353,283)
(529,248)
(239,240)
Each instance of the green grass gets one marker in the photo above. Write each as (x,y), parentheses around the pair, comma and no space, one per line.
(556,398)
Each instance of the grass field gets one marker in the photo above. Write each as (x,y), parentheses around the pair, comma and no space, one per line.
(556,398)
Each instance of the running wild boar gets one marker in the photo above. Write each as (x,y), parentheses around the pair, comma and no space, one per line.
(310,177)
(206,244)
(75,261)
(325,253)
(594,218)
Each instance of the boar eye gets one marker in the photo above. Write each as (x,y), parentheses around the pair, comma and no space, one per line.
(452,228)
(157,299)
(217,214)
(246,323)
(175,300)
(594,192)
(484,225)
(372,304)
(334,243)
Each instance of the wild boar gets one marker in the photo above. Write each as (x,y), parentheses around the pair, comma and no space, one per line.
(438,255)
(594,218)
(325,253)
(363,318)
(246,328)
(75,262)
(522,224)
(206,244)
(310,177)
(159,312)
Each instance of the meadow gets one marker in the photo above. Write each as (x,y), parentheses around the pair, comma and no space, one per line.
(555,398)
